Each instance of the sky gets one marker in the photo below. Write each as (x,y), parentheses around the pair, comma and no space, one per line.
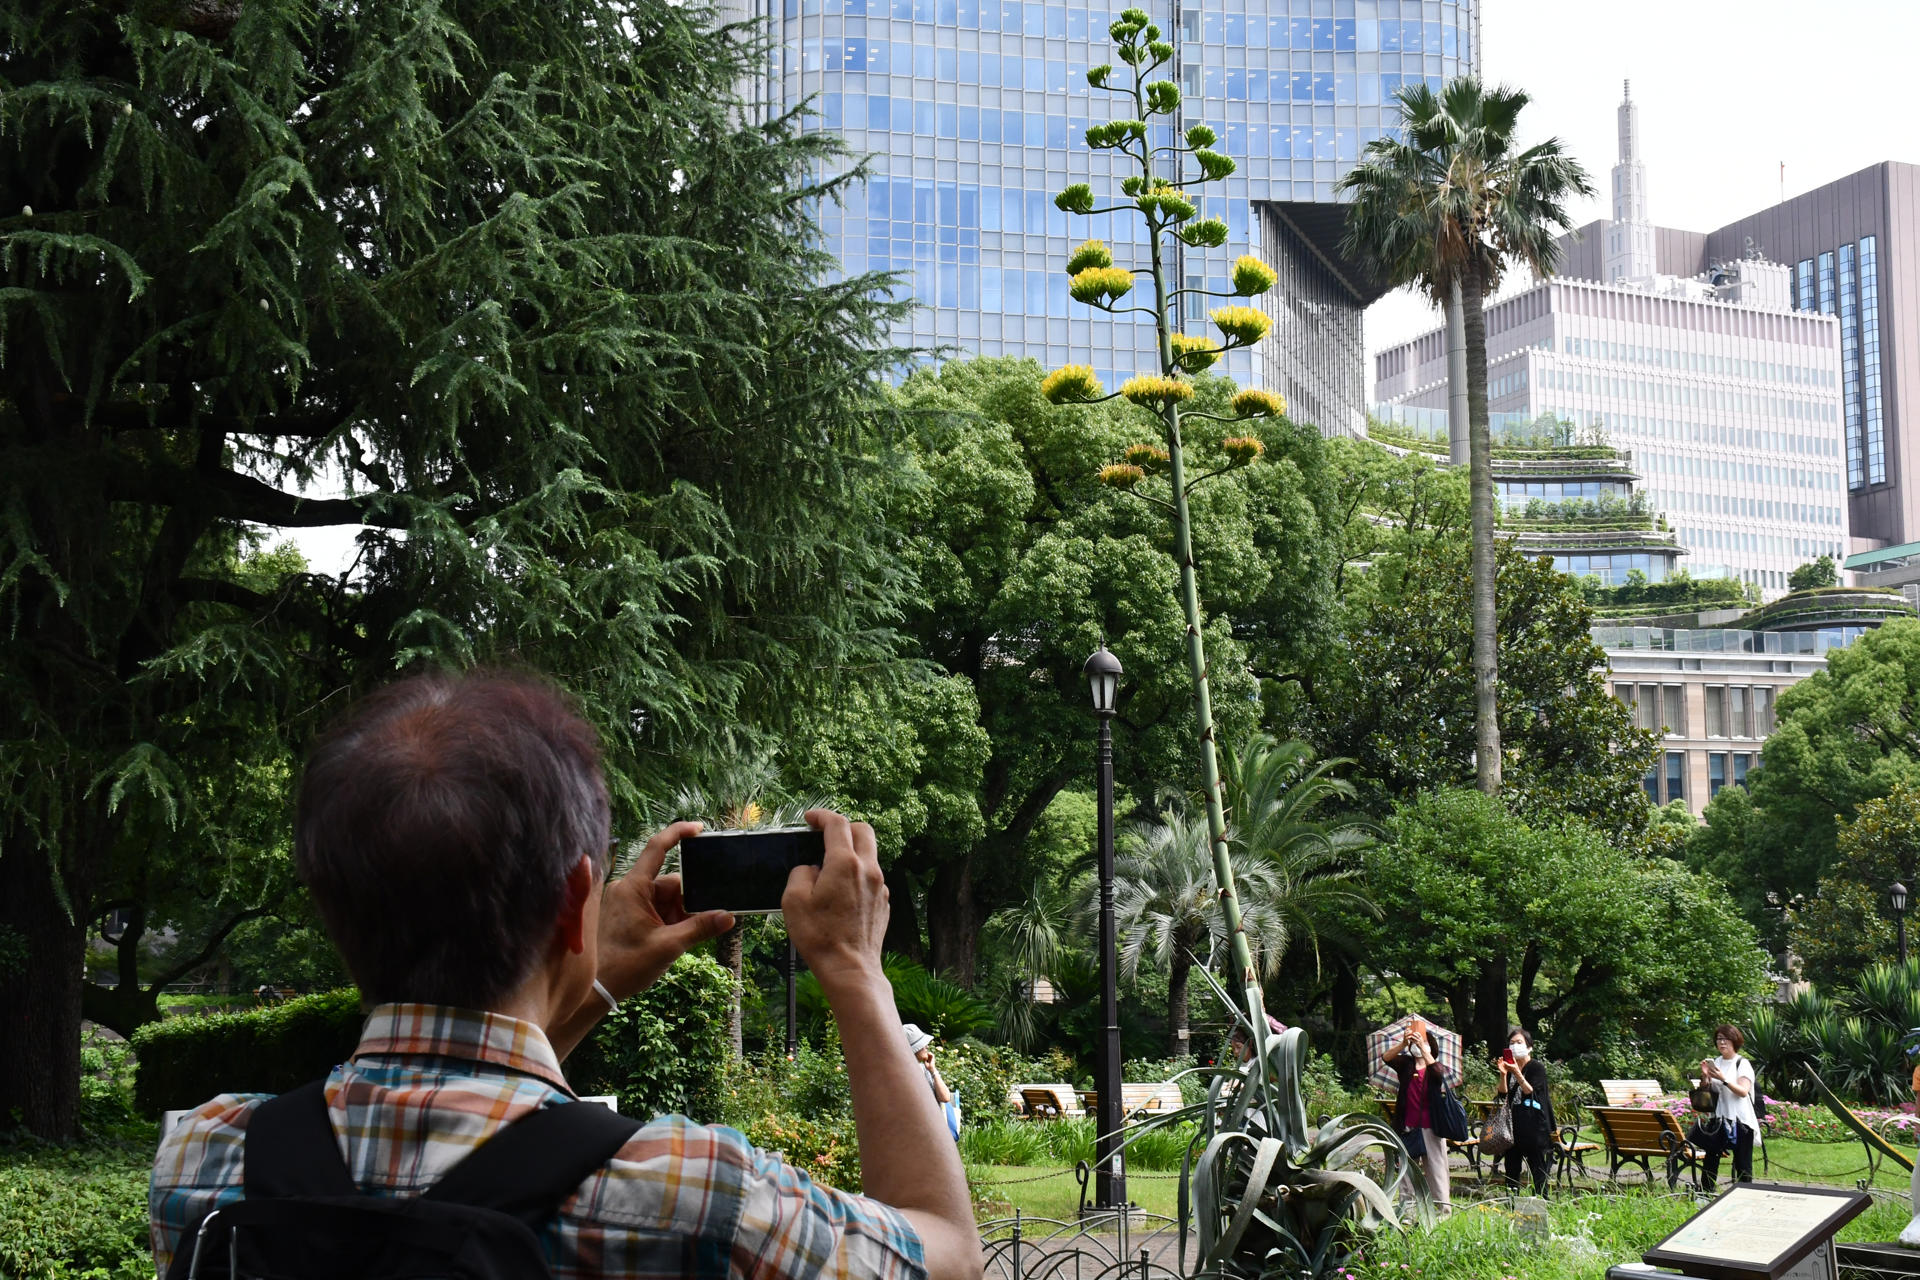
(1728,89)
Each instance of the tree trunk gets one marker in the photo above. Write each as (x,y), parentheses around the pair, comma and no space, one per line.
(903,922)
(1459,448)
(1460,1000)
(1349,1038)
(1179,1044)
(1490,1005)
(953,921)
(729,949)
(1486,712)
(40,1003)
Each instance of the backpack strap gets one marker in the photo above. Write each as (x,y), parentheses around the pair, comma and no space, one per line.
(528,1169)
(290,1148)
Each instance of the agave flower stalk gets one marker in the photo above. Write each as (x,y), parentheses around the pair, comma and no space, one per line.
(1159,194)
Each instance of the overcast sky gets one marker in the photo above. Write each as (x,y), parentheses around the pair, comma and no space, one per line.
(1728,89)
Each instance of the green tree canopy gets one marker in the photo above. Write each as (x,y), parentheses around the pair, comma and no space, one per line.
(1846,925)
(1814,573)
(1396,695)
(520,290)
(1026,564)
(1550,923)
(1843,736)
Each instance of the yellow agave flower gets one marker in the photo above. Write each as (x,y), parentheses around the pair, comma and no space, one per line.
(1193,352)
(1252,276)
(1097,283)
(1254,403)
(1243,325)
(1148,457)
(1150,390)
(1122,475)
(1071,384)
(1093,253)
(1241,450)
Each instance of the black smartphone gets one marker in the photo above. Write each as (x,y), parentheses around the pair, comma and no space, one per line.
(745,872)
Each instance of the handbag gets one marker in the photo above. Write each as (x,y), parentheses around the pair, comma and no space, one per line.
(1702,1098)
(1449,1117)
(1496,1136)
(1713,1135)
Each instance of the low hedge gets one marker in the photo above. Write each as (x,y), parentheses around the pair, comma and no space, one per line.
(665,1050)
(186,1061)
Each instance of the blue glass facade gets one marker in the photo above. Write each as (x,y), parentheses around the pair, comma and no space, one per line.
(974,114)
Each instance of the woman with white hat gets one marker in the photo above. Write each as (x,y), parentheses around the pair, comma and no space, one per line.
(922,1046)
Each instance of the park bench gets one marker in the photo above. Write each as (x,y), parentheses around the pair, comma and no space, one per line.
(1390,1107)
(1639,1135)
(1137,1100)
(1047,1101)
(1621,1093)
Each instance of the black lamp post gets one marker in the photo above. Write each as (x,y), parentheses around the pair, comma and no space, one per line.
(1110,1176)
(1897,895)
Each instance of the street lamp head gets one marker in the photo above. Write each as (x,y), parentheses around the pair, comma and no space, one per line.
(1897,894)
(1103,676)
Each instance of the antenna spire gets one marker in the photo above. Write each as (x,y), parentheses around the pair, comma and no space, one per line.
(1626,90)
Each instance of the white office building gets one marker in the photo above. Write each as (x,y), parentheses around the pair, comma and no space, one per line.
(1727,400)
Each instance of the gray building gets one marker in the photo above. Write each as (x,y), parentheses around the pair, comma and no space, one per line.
(1853,248)
(974,113)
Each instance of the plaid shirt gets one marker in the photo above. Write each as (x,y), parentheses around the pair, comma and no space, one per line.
(428,1084)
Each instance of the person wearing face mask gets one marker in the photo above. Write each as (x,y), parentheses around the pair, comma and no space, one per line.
(1524,1080)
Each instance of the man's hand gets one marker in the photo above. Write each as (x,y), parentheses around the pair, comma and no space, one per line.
(644,925)
(836,913)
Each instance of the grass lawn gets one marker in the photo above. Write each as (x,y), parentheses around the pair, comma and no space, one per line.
(1051,1191)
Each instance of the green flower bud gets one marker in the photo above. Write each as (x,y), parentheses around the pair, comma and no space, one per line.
(1201,136)
(1094,253)
(1077,198)
(1097,76)
(1208,233)
(1160,50)
(1213,165)
(1163,97)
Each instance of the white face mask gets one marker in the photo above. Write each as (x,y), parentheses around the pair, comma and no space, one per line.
(1519,1050)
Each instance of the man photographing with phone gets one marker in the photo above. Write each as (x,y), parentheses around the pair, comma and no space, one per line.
(454,833)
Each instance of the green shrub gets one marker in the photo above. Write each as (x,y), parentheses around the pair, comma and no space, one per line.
(666,1049)
(76,1213)
(186,1061)
(1005,1141)
(983,1075)
(1160,1149)
(826,1148)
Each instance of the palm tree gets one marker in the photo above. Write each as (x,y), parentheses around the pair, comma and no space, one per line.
(1167,908)
(1036,932)
(1277,794)
(1447,205)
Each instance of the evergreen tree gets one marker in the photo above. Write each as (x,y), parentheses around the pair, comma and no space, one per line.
(523,281)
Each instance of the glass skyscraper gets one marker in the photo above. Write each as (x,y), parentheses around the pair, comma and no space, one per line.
(974,113)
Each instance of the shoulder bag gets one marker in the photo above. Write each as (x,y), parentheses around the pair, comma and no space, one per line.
(1449,1117)
(1496,1135)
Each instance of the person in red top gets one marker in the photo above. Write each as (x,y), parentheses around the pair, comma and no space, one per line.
(1416,1061)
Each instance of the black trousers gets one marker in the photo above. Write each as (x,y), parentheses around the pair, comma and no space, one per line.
(1742,1160)
(1536,1160)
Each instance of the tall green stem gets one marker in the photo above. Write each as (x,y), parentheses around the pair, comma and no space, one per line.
(1196,644)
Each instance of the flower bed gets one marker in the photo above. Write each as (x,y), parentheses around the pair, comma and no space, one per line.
(1804,1123)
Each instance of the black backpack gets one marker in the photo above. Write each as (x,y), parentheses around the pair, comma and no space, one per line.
(304,1218)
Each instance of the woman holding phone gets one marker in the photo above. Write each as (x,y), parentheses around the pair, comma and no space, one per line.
(1415,1059)
(1523,1078)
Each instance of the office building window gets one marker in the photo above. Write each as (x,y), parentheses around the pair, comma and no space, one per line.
(1739,713)
(1716,772)
(1648,710)
(1652,783)
(1741,762)
(1826,284)
(1803,281)
(1675,699)
(1716,700)
(1676,775)
(1850,368)
(1873,428)
(1762,711)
